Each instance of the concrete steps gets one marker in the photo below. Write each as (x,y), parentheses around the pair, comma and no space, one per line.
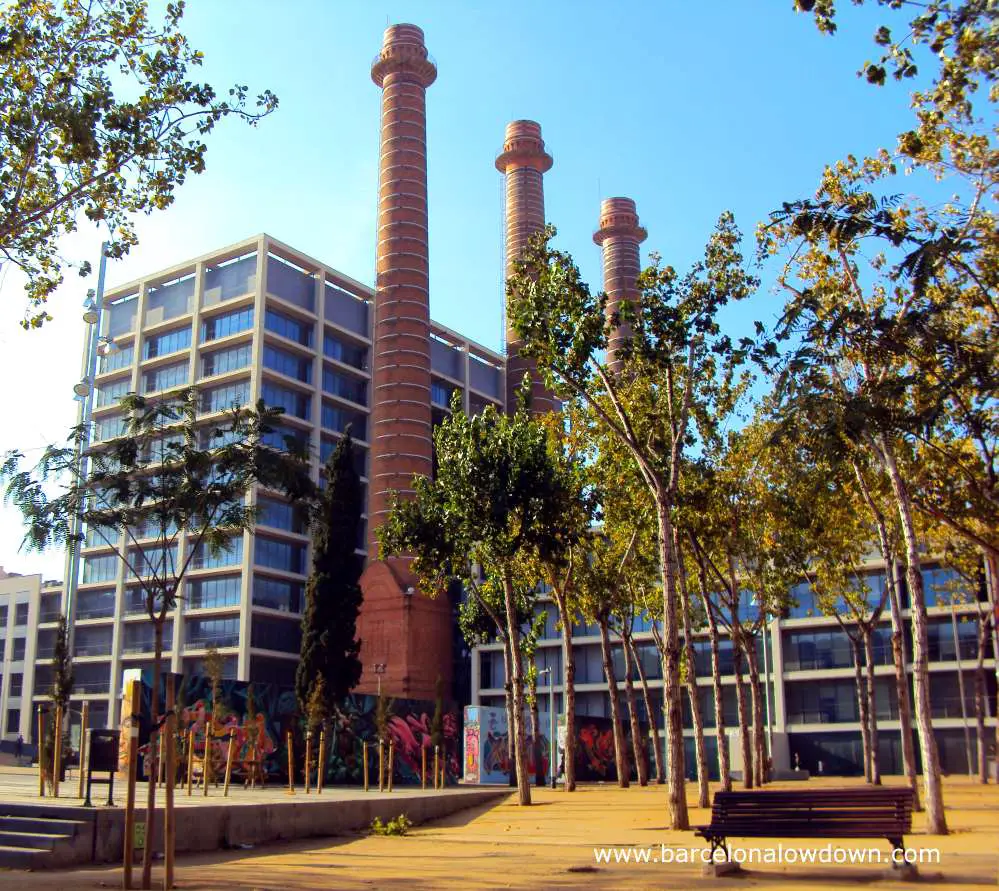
(33,837)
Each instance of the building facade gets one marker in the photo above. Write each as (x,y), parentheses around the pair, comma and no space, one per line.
(806,664)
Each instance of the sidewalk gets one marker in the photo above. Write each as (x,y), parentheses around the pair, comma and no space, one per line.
(551,845)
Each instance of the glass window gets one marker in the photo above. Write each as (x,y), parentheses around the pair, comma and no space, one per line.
(95,604)
(336,418)
(168,342)
(152,560)
(119,358)
(229,359)
(110,393)
(225,397)
(344,385)
(21,614)
(440,393)
(280,554)
(17,650)
(279,323)
(13,720)
(327,446)
(281,515)
(3,618)
(280,594)
(165,377)
(230,556)
(197,667)
(92,640)
(288,363)
(943,586)
(203,633)
(139,637)
(227,323)
(109,428)
(100,569)
(292,401)
(279,436)
(276,634)
(342,350)
(213,593)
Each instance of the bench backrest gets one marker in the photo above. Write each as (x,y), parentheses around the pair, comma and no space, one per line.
(874,806)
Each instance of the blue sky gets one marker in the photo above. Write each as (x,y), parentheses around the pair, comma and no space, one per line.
(688,108)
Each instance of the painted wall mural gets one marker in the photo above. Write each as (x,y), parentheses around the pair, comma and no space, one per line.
(261,732)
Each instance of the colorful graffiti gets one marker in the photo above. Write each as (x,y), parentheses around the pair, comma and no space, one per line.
(263,741)
(488,726)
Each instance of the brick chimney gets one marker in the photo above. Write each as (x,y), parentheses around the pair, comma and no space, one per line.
(400,628)
(619,235)
(523,162)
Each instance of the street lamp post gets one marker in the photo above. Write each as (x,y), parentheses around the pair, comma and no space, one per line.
(84,394)
(552,742)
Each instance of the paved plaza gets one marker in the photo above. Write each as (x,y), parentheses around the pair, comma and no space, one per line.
(552,845)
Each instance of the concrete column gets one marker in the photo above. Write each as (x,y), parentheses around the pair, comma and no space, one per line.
(523,162)
(619,235)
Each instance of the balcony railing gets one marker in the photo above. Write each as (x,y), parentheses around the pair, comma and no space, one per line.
(92,649)
(219,641)
(96,612)
(92,687)
(48,615)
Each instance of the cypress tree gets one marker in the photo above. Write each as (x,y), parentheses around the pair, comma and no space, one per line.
(330,646)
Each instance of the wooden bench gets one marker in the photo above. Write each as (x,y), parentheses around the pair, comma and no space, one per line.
(866,812)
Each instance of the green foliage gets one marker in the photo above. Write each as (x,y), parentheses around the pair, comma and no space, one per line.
(397,826)
(437,721)
(214,668)
(317,706)
(71,148)
(330,648)
(250,721)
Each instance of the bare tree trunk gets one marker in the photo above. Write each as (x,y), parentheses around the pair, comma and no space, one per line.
(620,751)
(897,639)
(653,720)
(936,819)
(637,739)
(740,699)
(981,741)
(865,727)
(539,774)
(516,664)
(759,740)
(992,598)
(672,692)
(724,771)
(700,752)
(508,687)
(154,748)
(872,705)
(568,695)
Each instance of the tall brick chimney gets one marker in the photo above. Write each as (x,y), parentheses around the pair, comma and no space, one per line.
(401,630)
(523,162)
(619,235)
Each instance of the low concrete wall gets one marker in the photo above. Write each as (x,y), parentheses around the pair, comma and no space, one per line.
(211,827)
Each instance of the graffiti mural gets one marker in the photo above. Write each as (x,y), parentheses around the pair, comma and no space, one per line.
(488,725)
(261,729)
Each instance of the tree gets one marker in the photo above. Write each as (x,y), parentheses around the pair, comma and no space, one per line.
(495,499)
(676,360)
(215,668)
(166,494)
(59,693)
(72,148)
(330,648)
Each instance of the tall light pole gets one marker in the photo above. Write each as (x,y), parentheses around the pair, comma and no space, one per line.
(552,742)
(84,394)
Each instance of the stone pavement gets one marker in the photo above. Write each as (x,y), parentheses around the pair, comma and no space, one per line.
(552,845)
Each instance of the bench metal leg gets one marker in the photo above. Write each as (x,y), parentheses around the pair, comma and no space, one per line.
(718,842)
